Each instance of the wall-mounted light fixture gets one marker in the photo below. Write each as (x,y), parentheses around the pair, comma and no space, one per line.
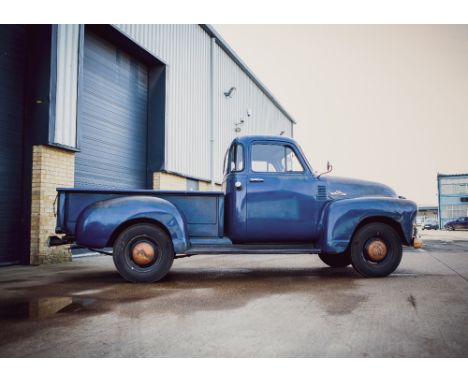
(249,112)
(238,124)
(282,132)
(230,92)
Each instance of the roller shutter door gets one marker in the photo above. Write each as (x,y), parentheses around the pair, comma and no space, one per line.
(112,121)
(12,69)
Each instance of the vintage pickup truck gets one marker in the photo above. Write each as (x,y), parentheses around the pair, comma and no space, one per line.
(272,203)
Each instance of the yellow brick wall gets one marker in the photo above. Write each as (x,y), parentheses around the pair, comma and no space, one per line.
(52,167)
(165,181)
(206,186)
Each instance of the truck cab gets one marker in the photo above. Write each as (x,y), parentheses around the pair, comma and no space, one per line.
(271,192)
(271,203)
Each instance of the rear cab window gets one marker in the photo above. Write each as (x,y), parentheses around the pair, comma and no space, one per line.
(234,160)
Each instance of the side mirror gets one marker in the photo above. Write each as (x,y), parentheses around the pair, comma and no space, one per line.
(329,169)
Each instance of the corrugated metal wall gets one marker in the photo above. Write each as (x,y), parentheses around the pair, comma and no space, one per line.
(67,84)
(186,51)
(248,104)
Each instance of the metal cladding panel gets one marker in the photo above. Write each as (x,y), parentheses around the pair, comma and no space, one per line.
(248,104)
(12,68)
(112,118)
(185,49)
(67,84)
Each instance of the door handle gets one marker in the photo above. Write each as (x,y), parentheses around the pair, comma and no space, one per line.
(256,180)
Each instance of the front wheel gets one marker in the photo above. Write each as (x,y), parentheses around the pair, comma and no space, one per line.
(339,260)
(376,250)
(143,253)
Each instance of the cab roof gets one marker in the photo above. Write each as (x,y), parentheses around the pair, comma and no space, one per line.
(247,139)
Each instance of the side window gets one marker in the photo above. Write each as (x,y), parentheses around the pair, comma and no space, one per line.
(236,158)
(274,158)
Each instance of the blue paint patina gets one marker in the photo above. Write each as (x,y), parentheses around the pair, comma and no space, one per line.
(275,204)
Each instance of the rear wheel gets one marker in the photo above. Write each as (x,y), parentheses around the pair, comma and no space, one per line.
(143,253)
(376,250)
(339,260)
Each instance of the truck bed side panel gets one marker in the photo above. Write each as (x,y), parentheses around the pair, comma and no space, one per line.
(203,212)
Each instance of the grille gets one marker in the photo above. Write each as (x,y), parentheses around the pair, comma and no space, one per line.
(321,192)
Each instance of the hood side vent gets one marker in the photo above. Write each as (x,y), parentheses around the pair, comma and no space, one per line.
(321,192)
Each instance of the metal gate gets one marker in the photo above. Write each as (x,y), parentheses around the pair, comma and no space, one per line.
(112,118)
(12,73)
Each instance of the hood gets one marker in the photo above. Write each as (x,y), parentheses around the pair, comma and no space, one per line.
(347,188)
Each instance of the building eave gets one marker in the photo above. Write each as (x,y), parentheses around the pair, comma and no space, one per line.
(233,55)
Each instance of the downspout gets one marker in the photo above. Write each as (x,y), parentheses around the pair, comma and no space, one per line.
(212,110)
(439,210)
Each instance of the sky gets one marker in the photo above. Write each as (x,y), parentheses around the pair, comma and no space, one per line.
(387,103)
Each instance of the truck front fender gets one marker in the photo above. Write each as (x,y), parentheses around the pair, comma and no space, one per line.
(341,218)
(98,222)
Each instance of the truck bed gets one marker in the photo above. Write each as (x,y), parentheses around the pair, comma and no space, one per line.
(203,210)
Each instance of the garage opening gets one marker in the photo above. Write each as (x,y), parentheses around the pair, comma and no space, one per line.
(12,83)
(112,118)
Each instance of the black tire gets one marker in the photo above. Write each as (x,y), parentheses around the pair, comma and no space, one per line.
(147,234)
(370,234)
(338,260)
(450,228)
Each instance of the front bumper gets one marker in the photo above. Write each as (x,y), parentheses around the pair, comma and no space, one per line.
(416,241)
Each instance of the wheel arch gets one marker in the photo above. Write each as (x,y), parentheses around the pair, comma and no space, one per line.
(385,220)
(99,224)
(343,218)
(142,220)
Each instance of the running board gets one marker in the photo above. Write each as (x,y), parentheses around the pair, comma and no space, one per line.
(250,249)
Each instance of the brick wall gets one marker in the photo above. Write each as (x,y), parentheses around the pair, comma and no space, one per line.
(206,186)
(52,168)
(166,181)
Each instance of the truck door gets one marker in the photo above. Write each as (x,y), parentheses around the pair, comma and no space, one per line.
(280,200)
(235,192)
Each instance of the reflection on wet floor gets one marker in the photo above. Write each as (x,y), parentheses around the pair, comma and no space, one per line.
(42,307)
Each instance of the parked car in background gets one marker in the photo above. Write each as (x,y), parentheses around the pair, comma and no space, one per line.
(460,223)
(430,224)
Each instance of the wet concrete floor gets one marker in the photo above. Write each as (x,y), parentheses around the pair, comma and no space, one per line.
(240,306)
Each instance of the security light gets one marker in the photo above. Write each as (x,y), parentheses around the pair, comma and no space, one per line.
(230,92)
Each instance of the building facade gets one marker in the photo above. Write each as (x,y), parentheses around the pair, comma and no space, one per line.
(115,106)
(427,213)
(453,197)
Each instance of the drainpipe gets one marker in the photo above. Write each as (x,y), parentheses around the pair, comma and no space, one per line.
(212,109)
(439,210)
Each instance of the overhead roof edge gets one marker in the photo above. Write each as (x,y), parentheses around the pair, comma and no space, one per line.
(234,56)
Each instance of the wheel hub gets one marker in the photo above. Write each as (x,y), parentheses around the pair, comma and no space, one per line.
(143,253)
(376,250)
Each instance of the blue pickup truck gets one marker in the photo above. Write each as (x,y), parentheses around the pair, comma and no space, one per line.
(272,203)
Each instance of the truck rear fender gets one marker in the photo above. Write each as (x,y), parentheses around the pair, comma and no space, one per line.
(100,223)
(342,218)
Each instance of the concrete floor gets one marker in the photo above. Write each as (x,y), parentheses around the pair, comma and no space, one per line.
(233,306)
